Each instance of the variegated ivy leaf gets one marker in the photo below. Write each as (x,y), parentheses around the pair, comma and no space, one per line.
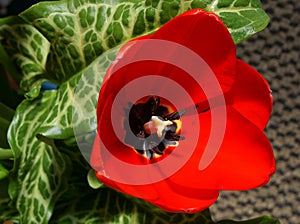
(36,181)
(28,49)
(39,166)
(243,18)
(73,107)
(78,31)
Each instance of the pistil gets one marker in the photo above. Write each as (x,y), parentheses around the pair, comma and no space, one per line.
(156,125)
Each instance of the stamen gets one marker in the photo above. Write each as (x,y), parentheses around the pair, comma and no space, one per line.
(175,115)
(154,104)
(173,137)
(155,128)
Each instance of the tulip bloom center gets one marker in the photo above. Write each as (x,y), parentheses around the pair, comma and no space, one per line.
(156,126)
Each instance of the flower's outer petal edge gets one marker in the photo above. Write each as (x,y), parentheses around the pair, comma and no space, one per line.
(251,95)
(167,197)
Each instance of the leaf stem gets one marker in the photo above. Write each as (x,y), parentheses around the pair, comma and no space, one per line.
(6,154)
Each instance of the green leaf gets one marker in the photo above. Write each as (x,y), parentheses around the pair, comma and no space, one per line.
(74,104)
(6,154)
(28,49)
(3,172)
(243,18)
(80,31)
(260,220)
(93,181)
(36,181)
(63,37)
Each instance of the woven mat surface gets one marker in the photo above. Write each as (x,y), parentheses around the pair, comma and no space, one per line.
(275,53)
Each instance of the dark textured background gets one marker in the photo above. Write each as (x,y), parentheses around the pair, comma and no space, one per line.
(275,53)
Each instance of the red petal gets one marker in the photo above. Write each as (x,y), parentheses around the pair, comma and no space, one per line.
(205,34)
(176,198)
(251,95)
(245,159)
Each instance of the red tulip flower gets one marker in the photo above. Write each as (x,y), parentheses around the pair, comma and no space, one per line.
(181,118)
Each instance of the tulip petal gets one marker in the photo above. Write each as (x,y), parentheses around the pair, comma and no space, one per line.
(245,159)
(188,199)
(205,34)
(251,95)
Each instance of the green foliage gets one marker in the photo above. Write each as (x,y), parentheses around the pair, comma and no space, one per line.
(56,40)
(71,43)
(28,49)
(93,181)
(37,177)
(3,172)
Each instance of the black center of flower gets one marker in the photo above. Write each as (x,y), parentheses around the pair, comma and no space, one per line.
(153,126)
